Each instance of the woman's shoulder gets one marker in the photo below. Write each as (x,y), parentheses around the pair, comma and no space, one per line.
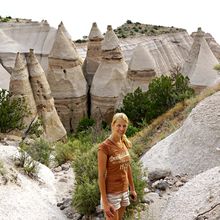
(105,144)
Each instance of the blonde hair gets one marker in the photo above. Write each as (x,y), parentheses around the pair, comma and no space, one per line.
(124,117)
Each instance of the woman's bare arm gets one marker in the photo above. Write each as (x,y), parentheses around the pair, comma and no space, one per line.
(102,161)
(131,183)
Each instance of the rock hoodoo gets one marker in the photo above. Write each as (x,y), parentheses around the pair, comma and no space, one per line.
(200,62)
(141,68)
(53,127)
(67,82)
(93,56)
(20,87)
(108,79)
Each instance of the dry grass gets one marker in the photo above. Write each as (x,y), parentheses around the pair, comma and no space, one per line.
(168,122)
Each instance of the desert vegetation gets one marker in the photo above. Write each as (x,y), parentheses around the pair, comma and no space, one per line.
(163,93)
(12,111)
(5,19)
(133,29)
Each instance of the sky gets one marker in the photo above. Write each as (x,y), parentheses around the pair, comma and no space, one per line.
(78,15)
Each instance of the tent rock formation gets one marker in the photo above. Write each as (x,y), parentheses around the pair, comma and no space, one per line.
(53,127)
(108,79)
(199,65)
(67,82)
(93,55)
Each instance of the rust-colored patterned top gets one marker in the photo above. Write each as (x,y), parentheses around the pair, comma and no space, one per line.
(118,160)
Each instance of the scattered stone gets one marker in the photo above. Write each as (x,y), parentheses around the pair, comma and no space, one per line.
(65,166)
(57,169)
(158,174)
(161,185)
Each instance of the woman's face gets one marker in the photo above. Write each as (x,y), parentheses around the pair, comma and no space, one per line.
(119,127)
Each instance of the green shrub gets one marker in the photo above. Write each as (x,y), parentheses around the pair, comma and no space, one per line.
(139,182)
(85,165)
(131,131)
(40,151)
(128,22)
(65,152)
(5,19)
(80,41)
(163,93)
(36,128)
(160,95)
(12,112)
(86,196)
(182,90)
(25,161)
(135,106)
(2,169)
(217,67)
(85,124)
(78,144)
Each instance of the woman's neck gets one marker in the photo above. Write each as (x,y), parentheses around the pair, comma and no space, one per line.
(115,138)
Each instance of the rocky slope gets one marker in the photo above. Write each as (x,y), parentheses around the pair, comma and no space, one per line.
(193,150)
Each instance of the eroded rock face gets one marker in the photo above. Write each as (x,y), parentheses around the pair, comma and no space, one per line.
(53,127)
(190,149)
(108,79)
(93,55)
(203,194)
(20,87)
(214,46)
(67,82)
(200,62)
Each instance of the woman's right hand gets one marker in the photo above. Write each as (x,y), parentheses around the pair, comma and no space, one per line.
(109,210)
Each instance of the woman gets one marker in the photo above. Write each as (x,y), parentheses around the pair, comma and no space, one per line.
(115,176)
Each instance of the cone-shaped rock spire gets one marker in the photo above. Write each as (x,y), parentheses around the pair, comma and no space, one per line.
(20,87)
(110,46)
(199,66)
(111,41)
(141,68)
(108,79)
(93,56)
(63,29)
(67,82)
(62,47)
(95,33)
(45,103)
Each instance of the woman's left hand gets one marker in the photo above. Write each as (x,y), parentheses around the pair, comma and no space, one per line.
(133,195)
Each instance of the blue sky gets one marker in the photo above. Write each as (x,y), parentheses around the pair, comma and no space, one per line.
(78,16)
